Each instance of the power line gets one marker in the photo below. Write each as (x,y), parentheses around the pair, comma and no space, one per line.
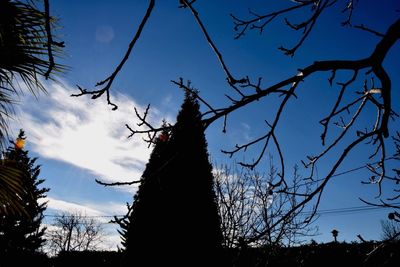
(347,210)
(342,173)
(84,216)
(319,212)
(327,211)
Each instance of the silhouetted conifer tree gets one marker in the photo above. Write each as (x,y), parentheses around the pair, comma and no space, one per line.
(21,233)
(174,219)
(146,199)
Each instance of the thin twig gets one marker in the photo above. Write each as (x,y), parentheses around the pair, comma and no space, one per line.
(109,80)
(245,23)
(194,92)
(117,183)
(325,121)
(231,80)
(364,28)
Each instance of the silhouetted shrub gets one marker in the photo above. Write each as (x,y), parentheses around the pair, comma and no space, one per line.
(16,259)
(174,219)
(87,258)
(329,254)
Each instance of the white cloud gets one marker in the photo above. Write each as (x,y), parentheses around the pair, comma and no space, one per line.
(61,206)
(85,208)
(101,210)
(86,133)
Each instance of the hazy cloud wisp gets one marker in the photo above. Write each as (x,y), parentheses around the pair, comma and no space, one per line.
(85,132)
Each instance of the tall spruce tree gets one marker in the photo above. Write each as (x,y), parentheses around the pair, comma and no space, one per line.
(22,233)
(174,216)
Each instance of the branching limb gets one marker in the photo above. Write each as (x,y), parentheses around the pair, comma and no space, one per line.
(242,25)
(143,118)
(314,159)
(307,26)
(267,136)
(325,121)
(194,92)
(374,60)
(117,183)
(150,130)
(321,186)
(349,9)
(259,22)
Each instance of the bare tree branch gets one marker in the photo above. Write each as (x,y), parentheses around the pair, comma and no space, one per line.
(231,80)
(319,189)
(248,205)
(364,28)
(74,232)
(117,183)
(242,25)
(109,80)
(307,26)
(345,116)
(50,41)
(379,132)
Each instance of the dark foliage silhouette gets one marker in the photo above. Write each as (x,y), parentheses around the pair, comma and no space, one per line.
(27,52)
(368,84)
(21,233)
(86,258)
(309,255)
(174,216)
(328,254)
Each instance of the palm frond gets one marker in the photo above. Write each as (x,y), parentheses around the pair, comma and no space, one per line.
(24,58)
(6,110)
(10,190)
(24,54)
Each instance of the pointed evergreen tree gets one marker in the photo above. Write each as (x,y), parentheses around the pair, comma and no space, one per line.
(146,199)
(174,216)
(21,233)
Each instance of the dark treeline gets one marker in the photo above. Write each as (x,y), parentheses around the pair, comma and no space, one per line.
(310,255)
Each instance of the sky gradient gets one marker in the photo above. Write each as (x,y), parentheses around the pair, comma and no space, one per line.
(78,139)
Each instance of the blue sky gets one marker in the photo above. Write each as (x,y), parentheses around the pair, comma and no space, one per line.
(78,139)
